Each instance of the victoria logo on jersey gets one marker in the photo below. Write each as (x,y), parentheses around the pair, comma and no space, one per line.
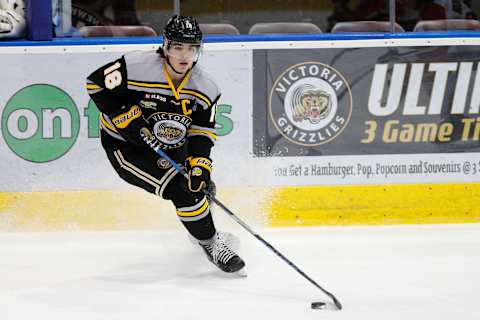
(310,103)
(170,129)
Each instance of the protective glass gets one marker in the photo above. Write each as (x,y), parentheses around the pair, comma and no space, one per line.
(183,50)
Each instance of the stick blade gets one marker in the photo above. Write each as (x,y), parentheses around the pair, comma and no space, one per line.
(332,306)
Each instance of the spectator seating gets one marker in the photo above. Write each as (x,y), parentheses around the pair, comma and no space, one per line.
(218,28)
(365,26)
(116,31)
(284,27)
(446,25)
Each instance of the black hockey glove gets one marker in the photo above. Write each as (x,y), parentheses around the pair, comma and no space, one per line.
(199,170)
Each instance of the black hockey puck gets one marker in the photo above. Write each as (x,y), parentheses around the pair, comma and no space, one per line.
(318,305)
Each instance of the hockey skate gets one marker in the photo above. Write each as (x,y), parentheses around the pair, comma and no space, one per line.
(220,254)
(231,240)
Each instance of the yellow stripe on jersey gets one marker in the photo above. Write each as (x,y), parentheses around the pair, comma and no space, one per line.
(203,132)
(149,85)
(183,83)
(106,123)
(176,93)
(92,86)
(194,213)
(198,95)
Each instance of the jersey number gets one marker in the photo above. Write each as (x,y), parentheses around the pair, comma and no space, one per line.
(212,115)
(113,77)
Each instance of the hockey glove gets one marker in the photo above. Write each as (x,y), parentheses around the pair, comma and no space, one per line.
(199,170)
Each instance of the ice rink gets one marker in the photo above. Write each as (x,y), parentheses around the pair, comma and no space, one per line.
(399,272)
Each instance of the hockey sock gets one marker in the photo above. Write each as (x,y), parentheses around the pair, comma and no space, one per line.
(202,229)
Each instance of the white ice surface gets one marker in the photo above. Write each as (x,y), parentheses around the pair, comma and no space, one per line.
(401,272)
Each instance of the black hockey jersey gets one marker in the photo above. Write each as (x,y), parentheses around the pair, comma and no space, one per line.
(136,92)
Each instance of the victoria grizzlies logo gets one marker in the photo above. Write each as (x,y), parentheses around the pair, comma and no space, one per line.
(170,129)
(310,104)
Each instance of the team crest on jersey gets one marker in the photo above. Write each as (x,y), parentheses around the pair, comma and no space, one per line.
(163,163)
(170,129)
(310,103)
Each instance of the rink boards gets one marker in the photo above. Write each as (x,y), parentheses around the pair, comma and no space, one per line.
(369,131)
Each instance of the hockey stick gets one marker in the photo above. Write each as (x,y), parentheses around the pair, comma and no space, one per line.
(150,141)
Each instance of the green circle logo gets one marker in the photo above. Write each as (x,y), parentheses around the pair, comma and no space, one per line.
(40,123)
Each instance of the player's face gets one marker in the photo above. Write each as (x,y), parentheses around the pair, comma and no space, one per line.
(182,55)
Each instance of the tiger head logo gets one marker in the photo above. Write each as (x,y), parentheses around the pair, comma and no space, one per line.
(310,104)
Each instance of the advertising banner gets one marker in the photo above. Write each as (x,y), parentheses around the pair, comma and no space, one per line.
(50,127)
(316,116)
(368,115)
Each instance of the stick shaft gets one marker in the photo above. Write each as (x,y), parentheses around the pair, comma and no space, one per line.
(250,230)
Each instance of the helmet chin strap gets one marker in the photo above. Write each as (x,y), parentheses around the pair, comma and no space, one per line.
(168,62)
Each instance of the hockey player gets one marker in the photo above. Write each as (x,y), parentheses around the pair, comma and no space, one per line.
(12,19)
(164,95)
